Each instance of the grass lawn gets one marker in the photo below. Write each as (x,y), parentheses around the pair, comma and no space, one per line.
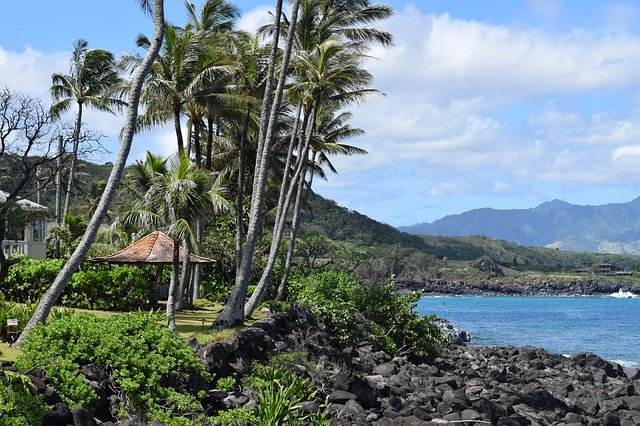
(196,322)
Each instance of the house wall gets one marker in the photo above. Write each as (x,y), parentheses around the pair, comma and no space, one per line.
(36,249)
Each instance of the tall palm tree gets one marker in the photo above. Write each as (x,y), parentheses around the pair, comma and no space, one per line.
(331,130)
(57,287)
(330,46)
(330,71)
(233,312)
(94,80)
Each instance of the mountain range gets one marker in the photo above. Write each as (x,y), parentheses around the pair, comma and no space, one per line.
(609,228)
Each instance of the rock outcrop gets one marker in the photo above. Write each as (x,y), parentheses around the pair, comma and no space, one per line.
(363,385)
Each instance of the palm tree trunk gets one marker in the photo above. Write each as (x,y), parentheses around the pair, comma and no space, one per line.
(178,128)
(74,159)
(197,151)
(240,195)
(233,311)
(184,279)
(59,193)
(53,293)
(173,286)
(209,150)
(195,291)
(278,230)
(293,233)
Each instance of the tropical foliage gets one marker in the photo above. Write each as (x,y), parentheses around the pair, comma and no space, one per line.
(153,370)
(357,312)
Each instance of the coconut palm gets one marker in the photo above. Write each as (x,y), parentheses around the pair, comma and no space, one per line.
(331,130)
(172,194)
(327,73)
(57,287)
(330,46)
(93,81)
(233,312)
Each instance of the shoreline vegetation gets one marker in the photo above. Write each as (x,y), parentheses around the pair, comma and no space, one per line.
(587,287)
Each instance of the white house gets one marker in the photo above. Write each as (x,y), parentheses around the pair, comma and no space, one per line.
(30,239)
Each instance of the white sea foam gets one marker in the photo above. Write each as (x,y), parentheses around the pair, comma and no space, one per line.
(626,363)
(623,295)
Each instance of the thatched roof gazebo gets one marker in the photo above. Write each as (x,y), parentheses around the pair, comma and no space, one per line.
(155,249)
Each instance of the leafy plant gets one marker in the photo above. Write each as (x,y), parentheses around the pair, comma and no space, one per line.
(226,384)
(279,393)
(94,287)
(151,368)
(234,417)
(377,313)
(20,405)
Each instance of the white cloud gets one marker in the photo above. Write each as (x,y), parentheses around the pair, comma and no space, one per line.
(255,19)
(29,72)
(445,56)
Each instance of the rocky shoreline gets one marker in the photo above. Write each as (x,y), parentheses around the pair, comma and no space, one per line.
(518,288)
(361,385)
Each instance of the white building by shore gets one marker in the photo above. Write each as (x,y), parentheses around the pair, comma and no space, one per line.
(28,240)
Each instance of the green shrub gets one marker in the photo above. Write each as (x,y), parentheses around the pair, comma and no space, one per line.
(378,313)
(153,370)
(29,279)
(103,287)
(20,405)
(120,288)
(226,384)
(234,417)
(279,393)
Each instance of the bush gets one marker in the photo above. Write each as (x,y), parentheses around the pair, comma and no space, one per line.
(279,393)
(29,279)
(378,313)
(152,369)
(20,405)
(103,287)
(119,288)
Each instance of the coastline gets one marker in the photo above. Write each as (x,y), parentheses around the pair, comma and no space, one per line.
(588,287)
(360,384)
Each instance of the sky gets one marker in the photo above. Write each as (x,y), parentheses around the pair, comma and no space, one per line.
(499,103)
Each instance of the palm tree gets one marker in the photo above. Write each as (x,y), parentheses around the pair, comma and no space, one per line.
(172,195)
(233,312)
(93,81)
(57,287)
(330,71)
(330,132)
(330,46)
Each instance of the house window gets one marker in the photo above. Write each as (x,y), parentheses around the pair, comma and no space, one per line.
(38,229)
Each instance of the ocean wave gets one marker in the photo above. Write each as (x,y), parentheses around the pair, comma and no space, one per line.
(626,363)
(623,295)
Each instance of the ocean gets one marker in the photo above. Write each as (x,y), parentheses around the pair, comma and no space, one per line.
(608,326)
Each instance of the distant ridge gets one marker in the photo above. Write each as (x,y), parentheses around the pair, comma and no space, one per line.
(609,228)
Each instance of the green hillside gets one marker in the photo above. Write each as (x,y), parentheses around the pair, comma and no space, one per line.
(425,256)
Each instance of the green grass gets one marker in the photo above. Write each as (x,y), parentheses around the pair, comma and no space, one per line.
(8,353)
(189,322)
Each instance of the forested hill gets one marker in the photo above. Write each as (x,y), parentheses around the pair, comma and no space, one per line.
(609,228)
(339,223)
(387,243)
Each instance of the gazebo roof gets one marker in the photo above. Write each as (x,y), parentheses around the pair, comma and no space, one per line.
(155,248)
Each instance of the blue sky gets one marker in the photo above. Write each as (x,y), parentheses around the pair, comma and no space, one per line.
(502,104)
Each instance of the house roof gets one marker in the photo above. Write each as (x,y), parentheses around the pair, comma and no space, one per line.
(155,248)
(26,205)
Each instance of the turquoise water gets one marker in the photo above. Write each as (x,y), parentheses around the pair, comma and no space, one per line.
(607,326)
